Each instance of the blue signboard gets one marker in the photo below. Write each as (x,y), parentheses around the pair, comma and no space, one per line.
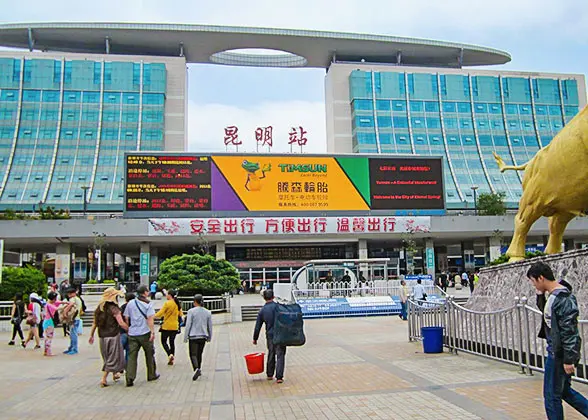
(528,248)
(418,276)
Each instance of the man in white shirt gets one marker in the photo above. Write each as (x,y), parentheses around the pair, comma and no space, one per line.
(140,314)
(419,291)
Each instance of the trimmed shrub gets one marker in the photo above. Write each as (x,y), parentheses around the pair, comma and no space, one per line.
(24,280)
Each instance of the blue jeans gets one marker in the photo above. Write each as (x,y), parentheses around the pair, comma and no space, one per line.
(73,336)
(403,313)
(557,386)
(124,339)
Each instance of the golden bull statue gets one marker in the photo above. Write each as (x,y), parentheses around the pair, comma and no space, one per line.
(555,185)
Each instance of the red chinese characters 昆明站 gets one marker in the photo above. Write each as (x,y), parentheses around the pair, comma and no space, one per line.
(297,135)
(232,136)
(264,136)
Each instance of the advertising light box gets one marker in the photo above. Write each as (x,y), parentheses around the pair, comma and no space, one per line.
(173,184)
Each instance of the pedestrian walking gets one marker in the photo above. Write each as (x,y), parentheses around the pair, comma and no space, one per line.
(33,320)
(197,333)
(403,300)
(471,282)
(419,291)
(109,321)
(153,289)
(124,335)
(16,316)
(444,281)
(50,321)
(276,358)
(564,344)
(72,313)
(171,312)
(139,314)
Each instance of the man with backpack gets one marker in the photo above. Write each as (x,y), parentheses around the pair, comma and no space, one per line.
(276,358)
(73,311)
(140,315)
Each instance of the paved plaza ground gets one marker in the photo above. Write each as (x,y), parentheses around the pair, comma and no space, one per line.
(355,368)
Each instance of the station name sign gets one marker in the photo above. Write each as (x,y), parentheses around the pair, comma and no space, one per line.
(287,226)
(167,184)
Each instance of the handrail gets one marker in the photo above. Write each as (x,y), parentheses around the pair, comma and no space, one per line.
(509,335)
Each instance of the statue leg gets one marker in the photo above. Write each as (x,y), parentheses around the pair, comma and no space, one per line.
(557,227)
(527,215)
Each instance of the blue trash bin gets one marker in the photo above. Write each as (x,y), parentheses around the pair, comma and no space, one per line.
(432,339)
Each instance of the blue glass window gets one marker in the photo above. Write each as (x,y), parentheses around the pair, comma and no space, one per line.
(417,122)
(67,72)
(97,72)
(363,121)
(31,95)
(511,109)
(400,122)
(449,107)
(366,138)
(465,123)
(571,110)
(384,122)
(450,123)
(359,104)
(554,110)
(382,105)
(159,98)
(8,95)
(91,97)
(494,108)
(111,97)
(72,96)
(481,108)
(416,106)
(541,109)
(500,141)
(433,122)
(385,138)
(525,109)
(432,106)
(50,96)
(464,107)
(399,105)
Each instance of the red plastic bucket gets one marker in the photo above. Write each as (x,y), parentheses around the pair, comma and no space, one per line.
(255,363)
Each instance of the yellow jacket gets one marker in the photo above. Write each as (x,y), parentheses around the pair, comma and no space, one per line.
(170,313)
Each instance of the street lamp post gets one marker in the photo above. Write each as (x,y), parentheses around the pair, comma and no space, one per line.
(85,188)
(474,189)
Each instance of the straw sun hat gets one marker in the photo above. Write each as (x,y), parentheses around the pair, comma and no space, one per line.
(110,295)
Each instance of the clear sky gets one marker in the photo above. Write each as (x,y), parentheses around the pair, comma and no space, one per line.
(541,35)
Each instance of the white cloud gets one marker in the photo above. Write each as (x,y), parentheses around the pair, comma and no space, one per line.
(206,123)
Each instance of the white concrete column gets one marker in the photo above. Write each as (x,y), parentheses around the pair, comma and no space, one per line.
(220,251)
(430,257)
(145,262)
(63,263)
(494,248)
(363,254)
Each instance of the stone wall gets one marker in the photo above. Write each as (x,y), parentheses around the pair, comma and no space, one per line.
(500,284)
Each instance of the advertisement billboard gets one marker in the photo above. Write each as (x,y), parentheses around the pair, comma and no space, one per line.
(172,185)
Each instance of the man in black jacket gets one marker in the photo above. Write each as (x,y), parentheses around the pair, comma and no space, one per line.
(564,344)
(276,353)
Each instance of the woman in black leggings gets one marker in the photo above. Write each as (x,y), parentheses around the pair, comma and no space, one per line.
(16,317)
(171,312)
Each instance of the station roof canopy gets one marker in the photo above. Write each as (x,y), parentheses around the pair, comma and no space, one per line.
(214,44)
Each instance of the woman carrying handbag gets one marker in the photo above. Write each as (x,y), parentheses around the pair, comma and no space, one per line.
(16,317)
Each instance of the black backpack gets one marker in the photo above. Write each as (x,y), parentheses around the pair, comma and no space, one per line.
(55,317)
(288,325)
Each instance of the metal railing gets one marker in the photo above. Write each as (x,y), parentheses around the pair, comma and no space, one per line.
(375,290)
(508,335)
(5,310)
(214,304)
(96,289)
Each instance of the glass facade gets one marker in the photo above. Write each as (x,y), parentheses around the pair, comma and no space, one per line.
(464,118)
(65,124)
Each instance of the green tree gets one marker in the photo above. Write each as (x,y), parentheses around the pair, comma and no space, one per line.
(490,204)
(191,274)
(24,280)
